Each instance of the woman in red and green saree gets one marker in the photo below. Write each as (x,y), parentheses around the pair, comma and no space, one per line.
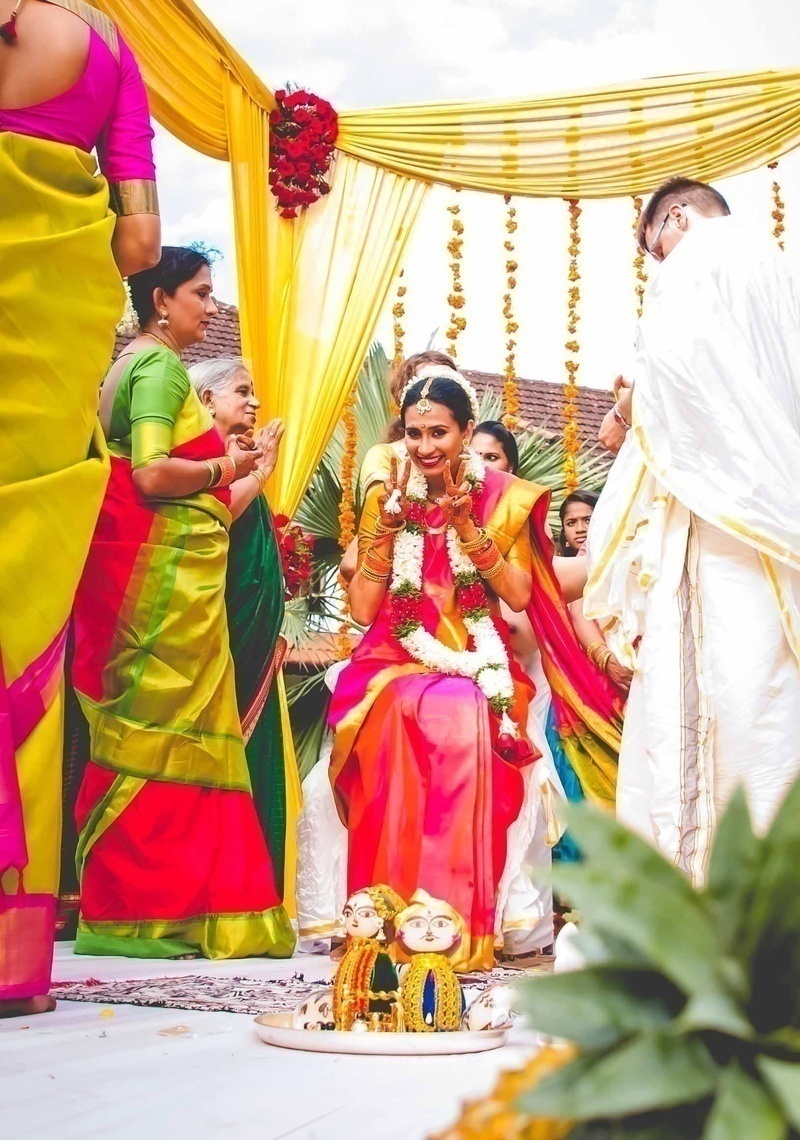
(254,598)
(71,221)
(171,856)
(431,715)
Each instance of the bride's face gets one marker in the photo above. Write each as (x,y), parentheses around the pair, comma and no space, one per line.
(434,438)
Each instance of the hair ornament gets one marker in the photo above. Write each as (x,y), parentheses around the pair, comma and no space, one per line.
(431,372)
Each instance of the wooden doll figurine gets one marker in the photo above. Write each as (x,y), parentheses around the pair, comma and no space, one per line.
(366,989)
(429,931)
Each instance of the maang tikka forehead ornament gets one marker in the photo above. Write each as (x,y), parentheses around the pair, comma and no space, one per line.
(431,372)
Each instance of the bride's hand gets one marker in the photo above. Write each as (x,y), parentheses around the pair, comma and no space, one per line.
(393,504)
(456,502)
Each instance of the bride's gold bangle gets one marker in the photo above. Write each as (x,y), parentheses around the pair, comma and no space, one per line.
(475,544)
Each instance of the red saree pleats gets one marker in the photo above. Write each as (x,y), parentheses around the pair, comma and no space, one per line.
(429,803)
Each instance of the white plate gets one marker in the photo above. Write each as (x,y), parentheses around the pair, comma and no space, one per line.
(276,1029)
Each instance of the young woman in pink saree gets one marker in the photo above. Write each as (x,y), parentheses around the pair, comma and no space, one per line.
(430,714)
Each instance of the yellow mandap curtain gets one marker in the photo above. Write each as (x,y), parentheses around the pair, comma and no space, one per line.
(595,144)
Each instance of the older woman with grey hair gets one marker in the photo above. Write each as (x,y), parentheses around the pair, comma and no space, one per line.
(254,593)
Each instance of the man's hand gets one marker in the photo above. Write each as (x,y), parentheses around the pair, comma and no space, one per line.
(612,433)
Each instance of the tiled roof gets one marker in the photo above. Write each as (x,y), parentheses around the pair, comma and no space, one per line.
(223,337)
(541,402)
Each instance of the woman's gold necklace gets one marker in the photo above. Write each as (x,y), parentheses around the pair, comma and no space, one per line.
(160,340)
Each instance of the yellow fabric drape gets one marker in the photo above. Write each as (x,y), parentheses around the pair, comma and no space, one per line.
(184,61)
(595,144)
(313,289)
(616,140)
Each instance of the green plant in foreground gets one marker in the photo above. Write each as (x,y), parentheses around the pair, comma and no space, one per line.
(687,1013)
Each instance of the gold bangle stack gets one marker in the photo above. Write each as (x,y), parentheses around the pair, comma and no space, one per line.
(259,475)
(213,473)
(382,529)
(599,653)
(476,544)
(486,558)
(374,567)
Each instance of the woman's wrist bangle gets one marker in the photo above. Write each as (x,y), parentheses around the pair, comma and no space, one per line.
(259,475)
(227,471)
(213,473)
(620,419)
(494,569)
(385,530)
(374,575)
(480,541)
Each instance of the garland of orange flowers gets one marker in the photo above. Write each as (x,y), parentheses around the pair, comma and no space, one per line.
(572,441)
(510,385)
(455,298)
(778,215)
(347,510)
(398,312)
(638,261)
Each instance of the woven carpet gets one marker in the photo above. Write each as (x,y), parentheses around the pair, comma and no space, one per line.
(230,995)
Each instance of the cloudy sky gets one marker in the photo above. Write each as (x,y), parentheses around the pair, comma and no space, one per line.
(392,51)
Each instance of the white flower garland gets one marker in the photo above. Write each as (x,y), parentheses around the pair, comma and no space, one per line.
(487,664)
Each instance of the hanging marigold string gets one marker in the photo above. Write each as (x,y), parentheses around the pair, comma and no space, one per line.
(571,431)
(510,384)
(455,298)
(347,512)
(778,215)
(639,270)
(398,313)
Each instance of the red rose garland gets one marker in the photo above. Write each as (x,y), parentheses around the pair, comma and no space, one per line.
(303,131)
(296,551)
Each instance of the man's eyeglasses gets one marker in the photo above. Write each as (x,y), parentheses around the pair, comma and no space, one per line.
(651,248)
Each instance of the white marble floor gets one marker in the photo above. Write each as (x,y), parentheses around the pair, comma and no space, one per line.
(88,1072)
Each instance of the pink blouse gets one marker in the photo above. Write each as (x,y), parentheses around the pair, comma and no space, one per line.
(105,110)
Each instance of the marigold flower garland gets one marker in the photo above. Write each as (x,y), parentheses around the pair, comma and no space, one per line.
(303,131)
(571,430)
(510,384)
(455,298)
(487,664)
(398,312)
(638,261)
(778,215)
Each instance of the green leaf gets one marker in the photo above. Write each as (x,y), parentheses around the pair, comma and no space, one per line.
(718,1011)
(599,1005)
(771,937)
(624,884)
(733,870)
(651,1071)
(783,1080)
(743,1108)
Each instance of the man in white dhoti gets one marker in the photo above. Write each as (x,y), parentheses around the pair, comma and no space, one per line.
(694,546)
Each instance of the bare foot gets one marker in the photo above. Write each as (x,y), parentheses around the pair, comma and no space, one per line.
(26,1007)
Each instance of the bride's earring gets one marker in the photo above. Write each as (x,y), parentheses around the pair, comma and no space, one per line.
(465,453)
(163,321)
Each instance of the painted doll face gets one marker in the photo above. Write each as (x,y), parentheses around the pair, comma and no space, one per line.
(361,919)
(429,929)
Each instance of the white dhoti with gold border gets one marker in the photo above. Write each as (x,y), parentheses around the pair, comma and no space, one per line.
(694,547)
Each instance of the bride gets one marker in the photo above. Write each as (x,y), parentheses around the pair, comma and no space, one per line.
(430,717)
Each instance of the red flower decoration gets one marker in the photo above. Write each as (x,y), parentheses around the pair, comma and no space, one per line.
(303,131)
(296,550)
